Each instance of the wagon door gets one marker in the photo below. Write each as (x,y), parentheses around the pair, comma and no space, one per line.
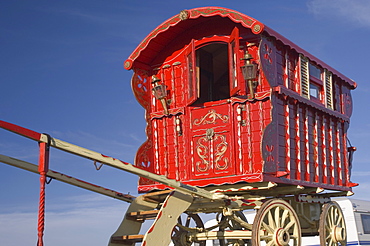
(211,141)
(211,70)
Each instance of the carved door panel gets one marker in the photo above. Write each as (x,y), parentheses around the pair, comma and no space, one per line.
(211,139)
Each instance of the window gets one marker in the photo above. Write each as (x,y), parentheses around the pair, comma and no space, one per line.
(212,68)
(311,80)
(315,82)
(365,219)
(314,90)
(315,71)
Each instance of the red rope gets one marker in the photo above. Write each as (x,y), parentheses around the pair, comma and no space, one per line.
(43,168)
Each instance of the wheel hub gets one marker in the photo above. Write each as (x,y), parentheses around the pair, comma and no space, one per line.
(338,234)
(281,237)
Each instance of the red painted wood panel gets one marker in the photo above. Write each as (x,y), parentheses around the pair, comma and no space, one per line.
(277,136)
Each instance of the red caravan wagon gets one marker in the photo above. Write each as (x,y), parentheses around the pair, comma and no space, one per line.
(228,100)
(236,108)
(238,117)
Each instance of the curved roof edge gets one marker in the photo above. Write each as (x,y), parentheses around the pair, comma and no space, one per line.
(256,26)
(235,16)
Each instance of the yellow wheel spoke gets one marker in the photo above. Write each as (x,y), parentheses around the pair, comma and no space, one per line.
(340,220)
(267,227)
(266,238)
(284,216)
(277,217)
(270,243)
(290,224)
(271,220)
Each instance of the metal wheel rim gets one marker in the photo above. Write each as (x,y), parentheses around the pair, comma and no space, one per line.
(276,224)
(332,226)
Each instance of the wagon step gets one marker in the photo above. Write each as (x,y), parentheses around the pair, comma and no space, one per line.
(127,239)
(141,209)
(142,215)
(137,216)
(156,197)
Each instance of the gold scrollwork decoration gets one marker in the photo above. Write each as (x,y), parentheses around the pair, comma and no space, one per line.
(202,151)
(211,118)
(218,153)
(221,149)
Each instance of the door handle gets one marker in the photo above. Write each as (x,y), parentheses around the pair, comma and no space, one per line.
(210,133)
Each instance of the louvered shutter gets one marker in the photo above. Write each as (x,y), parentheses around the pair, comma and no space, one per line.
(329,89)
(305,79)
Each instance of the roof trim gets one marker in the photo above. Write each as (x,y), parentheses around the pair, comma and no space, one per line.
(313,58)
(237,17)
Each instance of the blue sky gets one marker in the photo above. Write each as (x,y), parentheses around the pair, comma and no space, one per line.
(61,73)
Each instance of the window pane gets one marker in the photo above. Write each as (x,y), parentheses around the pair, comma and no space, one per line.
(314,91)
(365,218)
(315,71)
(212,62)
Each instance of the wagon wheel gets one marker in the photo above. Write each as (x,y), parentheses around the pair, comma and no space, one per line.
(186,223)
(332,226)
(276,224)
(232,225)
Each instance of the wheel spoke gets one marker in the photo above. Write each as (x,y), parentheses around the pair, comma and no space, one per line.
(271,220)
(270,243)
(336,218)
(267,227)
(175,230)
(331,242)
(277,218)
(290,224)
(284,216)
(332,216)
(266,238)
(340,220)
(329,218)
(187,221)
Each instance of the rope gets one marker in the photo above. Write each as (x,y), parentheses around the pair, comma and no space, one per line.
(41,216)
(43,169)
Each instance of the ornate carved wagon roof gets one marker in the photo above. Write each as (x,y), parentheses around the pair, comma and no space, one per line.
(161,36)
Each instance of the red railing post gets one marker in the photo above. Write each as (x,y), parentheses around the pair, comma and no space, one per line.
(43,169)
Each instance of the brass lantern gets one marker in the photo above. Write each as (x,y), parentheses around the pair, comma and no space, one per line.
(160,92)
(249,72)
